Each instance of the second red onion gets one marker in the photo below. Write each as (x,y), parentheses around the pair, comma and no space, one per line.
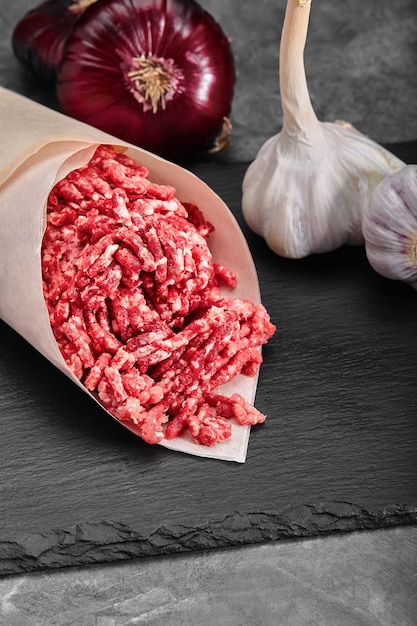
(39,37)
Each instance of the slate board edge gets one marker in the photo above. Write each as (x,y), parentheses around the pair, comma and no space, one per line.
(102,541)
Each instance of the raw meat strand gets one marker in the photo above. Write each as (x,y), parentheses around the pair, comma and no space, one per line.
(150,421)
(176,425)
(75,330)
(205,425)
(158,207)
(173,244)
(210,361)
(114,378)
(176,295)
(61,311)
(134,184)
(196,217)
(132,177)
(73,360)
(144,355)
(234,366)
(173,365)
(131,313)
(149,233)
(213,363)
(131,267)
(92,226)
(224,275)
(56,251)
(119,207)
(235,406)
(68,191)
(152,426)
(116,173)
(254,319)
(89,260)
(92,176)
(208,428)
(85,185)
(96,372)
(140,385)
(104,286)
(96,261)
(132,166)
(98,328)
(64,216)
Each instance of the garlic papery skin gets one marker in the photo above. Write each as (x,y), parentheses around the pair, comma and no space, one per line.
(307,189)
(390,226)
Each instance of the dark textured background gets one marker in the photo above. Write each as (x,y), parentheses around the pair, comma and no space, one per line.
(337,452)
(361,63)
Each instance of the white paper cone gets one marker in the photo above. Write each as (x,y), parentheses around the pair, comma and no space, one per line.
(38,147)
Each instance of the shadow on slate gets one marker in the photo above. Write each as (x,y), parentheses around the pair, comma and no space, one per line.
(336,454)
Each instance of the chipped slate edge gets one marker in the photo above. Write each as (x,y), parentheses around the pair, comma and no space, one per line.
(106,541)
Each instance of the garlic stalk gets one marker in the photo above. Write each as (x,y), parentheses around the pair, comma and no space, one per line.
(390,226)
(308,186)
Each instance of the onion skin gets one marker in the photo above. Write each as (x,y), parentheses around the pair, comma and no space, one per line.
(390,226)
(39,37)
(94,83)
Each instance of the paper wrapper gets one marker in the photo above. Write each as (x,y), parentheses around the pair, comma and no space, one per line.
(38,147)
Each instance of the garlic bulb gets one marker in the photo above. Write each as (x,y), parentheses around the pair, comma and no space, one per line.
(390,226)
(307,188)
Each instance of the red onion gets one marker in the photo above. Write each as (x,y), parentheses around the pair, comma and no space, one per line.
(39,37)
(156,73)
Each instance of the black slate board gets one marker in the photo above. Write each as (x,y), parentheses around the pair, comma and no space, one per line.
(337,452)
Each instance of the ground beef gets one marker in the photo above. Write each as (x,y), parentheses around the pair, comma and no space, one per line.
(135,306)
